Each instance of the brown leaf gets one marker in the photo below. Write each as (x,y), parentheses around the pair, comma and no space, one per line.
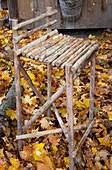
(53,139)
(26,153)
(42,166)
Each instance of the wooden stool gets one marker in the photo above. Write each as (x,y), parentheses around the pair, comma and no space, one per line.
(54,49)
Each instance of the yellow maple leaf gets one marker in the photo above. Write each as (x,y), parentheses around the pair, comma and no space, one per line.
(24,83)
(10,31)
(55,149)
(62,111)
(34,131)
(110,115)
(38,151)
(105,142)
(31,75)
(6,40)
(11,113)
(6,75)
(1,31)
(1,152)
(39,146)
(62,82)
(101,83)
(99,67)
(15,164)
(60,73)
(82,104)
(91,36)
(94,150)
(66,159)
(36,83)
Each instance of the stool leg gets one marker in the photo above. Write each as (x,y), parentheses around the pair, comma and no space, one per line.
(92,89)
(17,85)
(69,98)
(49,87)
(18,98)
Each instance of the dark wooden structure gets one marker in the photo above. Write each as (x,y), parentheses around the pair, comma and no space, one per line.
(54,49)
(95,13)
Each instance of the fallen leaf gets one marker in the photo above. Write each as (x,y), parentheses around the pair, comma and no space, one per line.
(27,99)
(66,159)
(62,111)
(55,149)
(15,164)
(110,115)
(91,36)
(42,166)
(10,31)
(11,113)
(1,152)
(38,150)
(60,73)
(105,141)
(44,123)
(53,139)
(82,104)
(26,153)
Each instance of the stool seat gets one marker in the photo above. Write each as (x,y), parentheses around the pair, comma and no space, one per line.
(58,50)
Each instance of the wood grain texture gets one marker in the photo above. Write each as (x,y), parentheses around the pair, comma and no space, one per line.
(83,138)
(49,87)
(91,16)
(49,132)
(18,87)
(69,105)
(92,89)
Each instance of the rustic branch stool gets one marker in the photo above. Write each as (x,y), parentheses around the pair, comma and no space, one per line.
(54,49)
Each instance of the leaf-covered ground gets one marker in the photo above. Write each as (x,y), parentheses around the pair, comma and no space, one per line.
(51,152)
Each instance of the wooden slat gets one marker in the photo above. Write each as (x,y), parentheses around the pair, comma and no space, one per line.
(43,47)
(38,46)
(84,57)
(28,33)
(41,39)
(72,60)
(72,50)
(76,55)
(73,45)
(52,49)
(59,52)
(46,48)
(25,23)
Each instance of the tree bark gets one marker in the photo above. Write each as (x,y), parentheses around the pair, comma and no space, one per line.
(9,103)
